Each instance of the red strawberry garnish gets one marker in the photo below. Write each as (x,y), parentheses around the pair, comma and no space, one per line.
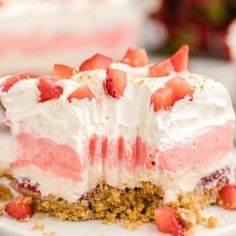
(62,71)
(180,59)
(163,98)
(163,68)
(8,83)
(228,196)
(81,93)
(180,87)
(48,89)
(20,208)
(115,82)
(135,57)
(98,61)
(167,221)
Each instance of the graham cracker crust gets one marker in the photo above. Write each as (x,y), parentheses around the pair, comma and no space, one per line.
(132,205)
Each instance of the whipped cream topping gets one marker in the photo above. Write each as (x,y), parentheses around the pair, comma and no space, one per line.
(130,116)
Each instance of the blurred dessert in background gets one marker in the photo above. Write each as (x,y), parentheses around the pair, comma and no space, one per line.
(231,43)
(37,34)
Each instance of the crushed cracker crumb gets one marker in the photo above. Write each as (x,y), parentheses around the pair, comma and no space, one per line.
(5,193)
(212,222)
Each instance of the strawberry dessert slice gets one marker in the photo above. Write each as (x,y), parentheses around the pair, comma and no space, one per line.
(20,208)
(163,68)
(62,71)
(167,221)
(98,61)
(180,87)
(227,196)
(135,57)
(8,83)
(163,98)
(48,89)
(180,59)
(115,82)
(81,93)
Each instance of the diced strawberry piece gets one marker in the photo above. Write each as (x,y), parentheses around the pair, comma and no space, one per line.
(115,82)
(167,221)
(180,87)
(163,68)
(8,83)
(228,195)
(163,98)
(135,57)
(20,208)
(180,59)
(98,61)
(48,89)
(62,71)
(81,93)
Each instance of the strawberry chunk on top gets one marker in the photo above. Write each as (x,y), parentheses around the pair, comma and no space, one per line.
(167,221)
(163,98)
(81,93)
(180,87)
(62,71)
(8,83)
(180,59)
(20,208)
(135,57)
(48,89)
(115,82)
(228,196)
(163,68)
(98,61)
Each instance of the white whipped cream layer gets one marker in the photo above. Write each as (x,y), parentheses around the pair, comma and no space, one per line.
(173,185)
(130,116)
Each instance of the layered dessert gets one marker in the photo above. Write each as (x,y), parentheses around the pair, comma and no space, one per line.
(37,34)
(117,140)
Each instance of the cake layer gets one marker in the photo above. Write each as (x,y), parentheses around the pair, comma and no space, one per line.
(119,125)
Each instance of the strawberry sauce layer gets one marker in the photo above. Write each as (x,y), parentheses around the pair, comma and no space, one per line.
(64,161)
(49,156)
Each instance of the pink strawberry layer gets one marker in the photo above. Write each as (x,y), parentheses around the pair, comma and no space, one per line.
(64,161)
(28,45)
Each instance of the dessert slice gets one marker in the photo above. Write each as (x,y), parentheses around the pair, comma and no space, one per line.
(116,140)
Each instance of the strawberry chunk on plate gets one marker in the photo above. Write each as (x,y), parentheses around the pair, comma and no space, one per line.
(8,83)
(81,93)
(180,59)
(48,89)
(163,68)
(180,87)
(115,83)
(20,208)
(62,71)
(228,196)
(163,98)
(135,57)
(98,61)
(167,221)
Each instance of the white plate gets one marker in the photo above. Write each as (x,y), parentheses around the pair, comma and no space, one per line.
(10,227)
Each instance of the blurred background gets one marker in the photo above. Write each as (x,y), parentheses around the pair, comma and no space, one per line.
(35,34)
